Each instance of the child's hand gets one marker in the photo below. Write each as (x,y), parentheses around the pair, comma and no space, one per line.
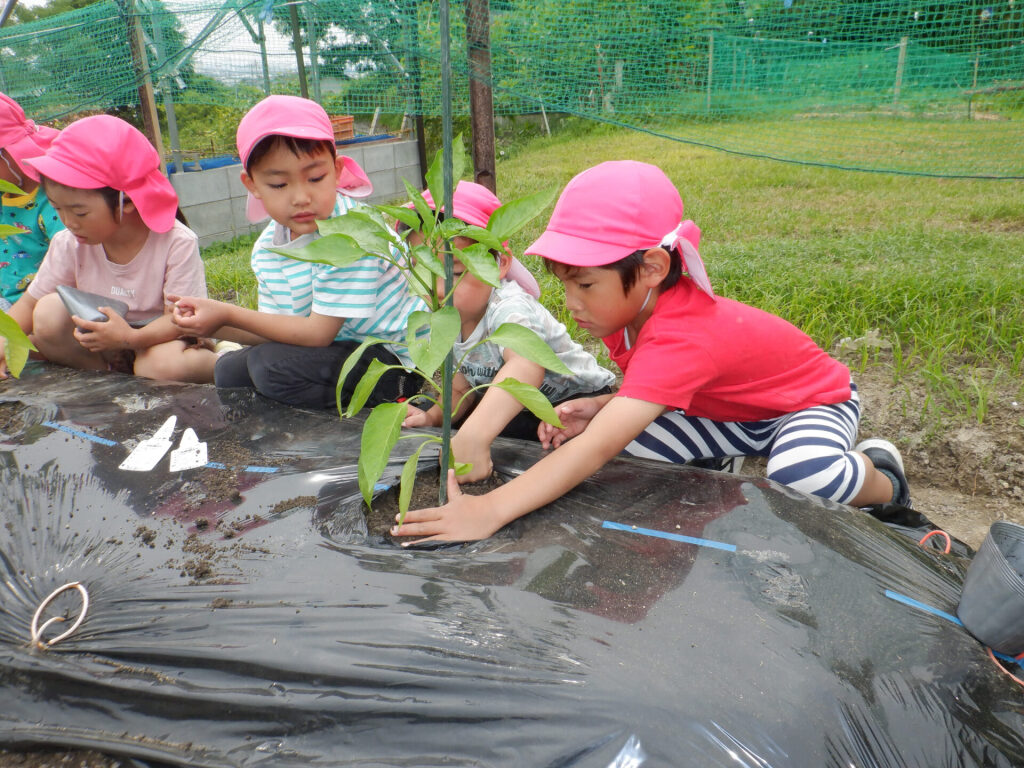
(3,358)
(463,518)
(198,316)
(113,334)
(469,451)
(575,415)
(416,417)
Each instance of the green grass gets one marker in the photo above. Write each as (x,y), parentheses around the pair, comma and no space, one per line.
(936,265)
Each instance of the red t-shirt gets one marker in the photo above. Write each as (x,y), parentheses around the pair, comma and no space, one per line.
(725,361)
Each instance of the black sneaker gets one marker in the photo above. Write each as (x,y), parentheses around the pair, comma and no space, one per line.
(730,464)
(886,457)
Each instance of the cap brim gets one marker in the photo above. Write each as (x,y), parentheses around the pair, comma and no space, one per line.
(312,133)
(576,251)
(61,173)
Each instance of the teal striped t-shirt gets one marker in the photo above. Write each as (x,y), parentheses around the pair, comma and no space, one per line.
(371,294)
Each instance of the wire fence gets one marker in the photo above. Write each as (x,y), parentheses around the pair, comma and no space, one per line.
(881,85)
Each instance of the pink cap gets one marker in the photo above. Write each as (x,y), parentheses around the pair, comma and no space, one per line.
(614,209)
(297,118)
(474,203)
(105,151)
(20,137)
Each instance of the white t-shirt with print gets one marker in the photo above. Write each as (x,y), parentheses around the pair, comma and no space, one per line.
(509,303)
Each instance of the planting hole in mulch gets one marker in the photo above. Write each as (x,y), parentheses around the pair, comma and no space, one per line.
(381,516)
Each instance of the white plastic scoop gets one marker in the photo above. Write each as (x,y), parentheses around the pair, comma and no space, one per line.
(189,454)
(148,453)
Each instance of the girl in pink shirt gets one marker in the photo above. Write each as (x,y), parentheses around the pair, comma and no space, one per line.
(122,243)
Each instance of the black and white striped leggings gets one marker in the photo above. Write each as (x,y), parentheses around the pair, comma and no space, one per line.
(808,450)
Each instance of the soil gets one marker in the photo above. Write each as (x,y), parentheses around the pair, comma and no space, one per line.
(424,494)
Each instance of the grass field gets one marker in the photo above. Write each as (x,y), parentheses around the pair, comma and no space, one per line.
(935,265)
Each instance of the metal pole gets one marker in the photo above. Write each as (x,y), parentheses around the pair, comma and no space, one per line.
(448,371)
(167,92)
(900,63)
(711,65)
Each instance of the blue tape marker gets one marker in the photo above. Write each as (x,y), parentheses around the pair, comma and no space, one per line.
(76,433)
(215,465)
(381,486)
(947,616)
(921,606)
(670,536)
(265,470)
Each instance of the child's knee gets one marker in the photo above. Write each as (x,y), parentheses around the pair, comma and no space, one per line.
(51,322)
(833,476)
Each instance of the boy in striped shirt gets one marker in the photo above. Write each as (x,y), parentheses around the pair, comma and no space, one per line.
(311,316)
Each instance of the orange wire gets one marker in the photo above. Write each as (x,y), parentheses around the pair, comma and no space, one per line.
(949,541)
(1005,670)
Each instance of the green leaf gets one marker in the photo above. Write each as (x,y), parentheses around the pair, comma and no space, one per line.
(423,254)
(459,159)
(429,352)
(435,174)
(407,216)
(9,188)
(350,363)
(368,230)
(366,385)
(409,478)
(525,342)
(333,250)
(484,236)
(460,467)
(380,433)
(481,263)
(514,215)
(531,398)
(435,180)
(428,217)
(18,345)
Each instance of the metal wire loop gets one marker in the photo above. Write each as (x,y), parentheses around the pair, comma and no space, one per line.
(37,631)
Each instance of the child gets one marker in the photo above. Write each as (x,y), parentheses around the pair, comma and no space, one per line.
(311,316)
(20,255)
(482,309)
(704,376)
(103,178)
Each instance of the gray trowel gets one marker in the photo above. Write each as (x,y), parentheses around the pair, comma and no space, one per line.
(189,454)
(148,453)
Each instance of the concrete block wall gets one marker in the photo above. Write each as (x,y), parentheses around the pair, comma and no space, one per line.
(213,200)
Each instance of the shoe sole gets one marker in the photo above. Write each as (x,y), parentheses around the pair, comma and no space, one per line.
(884,445)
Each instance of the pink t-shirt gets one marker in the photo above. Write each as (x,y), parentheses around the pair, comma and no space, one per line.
(168,263)
(725,361)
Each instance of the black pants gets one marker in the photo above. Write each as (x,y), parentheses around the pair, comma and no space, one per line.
(308,376)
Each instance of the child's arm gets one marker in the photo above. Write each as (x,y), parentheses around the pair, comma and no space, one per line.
(206,317)
(496,409)
(21,313)
(575,415)
(417,417)
(467,518)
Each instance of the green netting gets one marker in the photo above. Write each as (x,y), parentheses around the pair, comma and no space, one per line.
(882,85)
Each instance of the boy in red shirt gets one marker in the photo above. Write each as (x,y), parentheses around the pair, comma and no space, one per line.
(703,376)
